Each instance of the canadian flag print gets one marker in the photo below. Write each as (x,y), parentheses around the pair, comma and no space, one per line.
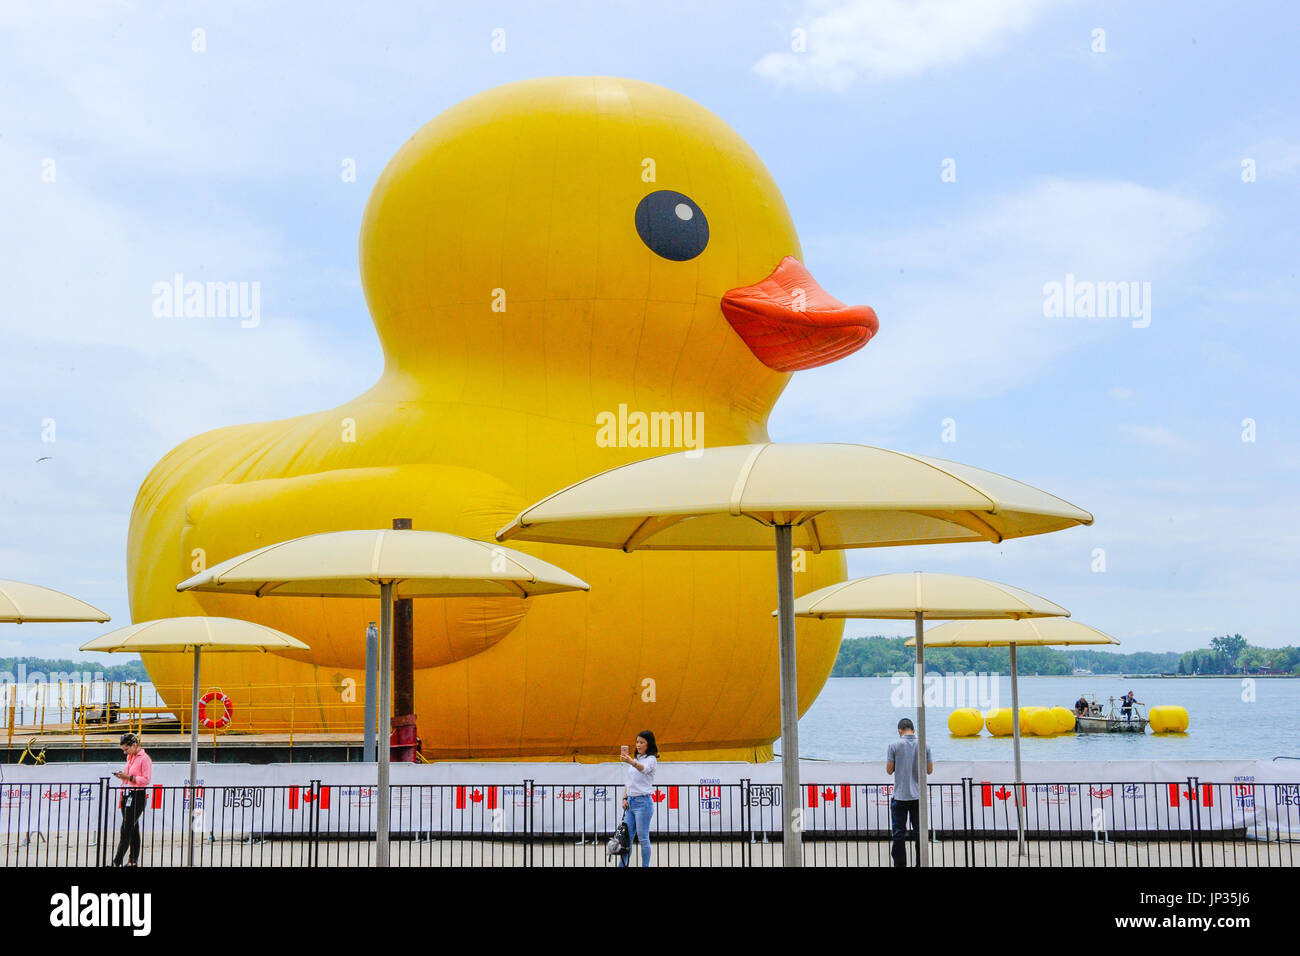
(987,793)
(1205,797)
(302,797)
(818,793)
(484,795)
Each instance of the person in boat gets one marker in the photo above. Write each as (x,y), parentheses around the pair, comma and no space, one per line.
(1126,705)
(1081,707)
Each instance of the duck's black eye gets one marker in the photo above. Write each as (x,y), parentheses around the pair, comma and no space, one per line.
(672,225)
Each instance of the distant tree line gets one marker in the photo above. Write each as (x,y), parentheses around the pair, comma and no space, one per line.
(879,656)
(133,669)
(882,656)
(1138,662)
(1230,654)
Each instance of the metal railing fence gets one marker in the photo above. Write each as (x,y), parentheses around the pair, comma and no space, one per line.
(973,823)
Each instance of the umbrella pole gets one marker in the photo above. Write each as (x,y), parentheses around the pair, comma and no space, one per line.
(792,848)
(385,705)
(923,804)
(1015,732)
(194,756)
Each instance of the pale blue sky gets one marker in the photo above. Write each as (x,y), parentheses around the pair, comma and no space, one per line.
(1114,166)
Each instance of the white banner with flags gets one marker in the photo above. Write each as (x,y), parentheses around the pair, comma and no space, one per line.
(1260,799)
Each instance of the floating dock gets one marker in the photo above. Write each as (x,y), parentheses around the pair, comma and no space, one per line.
(65,745)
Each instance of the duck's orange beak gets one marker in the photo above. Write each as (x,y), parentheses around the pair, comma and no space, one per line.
(790,322)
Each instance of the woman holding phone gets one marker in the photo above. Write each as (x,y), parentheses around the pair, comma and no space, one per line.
(638,808)
(137,775)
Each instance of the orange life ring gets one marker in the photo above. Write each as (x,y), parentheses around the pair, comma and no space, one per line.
(221,721)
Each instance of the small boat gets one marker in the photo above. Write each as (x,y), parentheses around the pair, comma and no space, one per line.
(1109,721)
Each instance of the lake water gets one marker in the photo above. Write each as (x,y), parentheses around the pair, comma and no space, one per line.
(855,719)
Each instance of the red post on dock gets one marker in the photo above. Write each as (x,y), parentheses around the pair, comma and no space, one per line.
(403,739)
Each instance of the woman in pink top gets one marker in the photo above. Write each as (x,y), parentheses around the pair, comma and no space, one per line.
(136,776)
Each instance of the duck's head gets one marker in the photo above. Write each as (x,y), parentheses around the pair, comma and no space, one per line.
(602,226)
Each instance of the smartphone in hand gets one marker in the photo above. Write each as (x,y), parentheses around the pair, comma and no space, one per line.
(623,750)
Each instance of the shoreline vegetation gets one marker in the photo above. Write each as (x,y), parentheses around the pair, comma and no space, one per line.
(1227,656)
(880,656)
(51,670)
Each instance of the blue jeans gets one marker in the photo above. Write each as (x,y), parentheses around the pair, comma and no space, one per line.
(637,817)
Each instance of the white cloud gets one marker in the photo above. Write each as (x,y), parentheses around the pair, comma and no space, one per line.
(84,350)
(962,313)
(1156,435)
(273,92)
(79,274)
(1275,158)
(1182,564)
(848,39)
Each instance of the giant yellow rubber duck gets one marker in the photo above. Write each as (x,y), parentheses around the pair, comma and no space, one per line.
(566,274)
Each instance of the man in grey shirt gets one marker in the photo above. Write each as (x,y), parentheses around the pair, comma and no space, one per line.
(900,760)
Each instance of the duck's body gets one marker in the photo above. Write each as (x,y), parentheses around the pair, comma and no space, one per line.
(525,317)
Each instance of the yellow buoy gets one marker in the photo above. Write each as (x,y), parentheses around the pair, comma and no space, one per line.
(998,722)
(1168,719)
(1043,723)
(965,722)
(1026,713)
(1064,719)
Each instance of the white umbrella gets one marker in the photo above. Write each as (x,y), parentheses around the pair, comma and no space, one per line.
(1009,634)
(21,602)
(388,564)
(771,496)
(918,595)
(180,635)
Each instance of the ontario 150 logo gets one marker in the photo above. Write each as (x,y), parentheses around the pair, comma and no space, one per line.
(1243,792)
(711,795)
(244,798)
